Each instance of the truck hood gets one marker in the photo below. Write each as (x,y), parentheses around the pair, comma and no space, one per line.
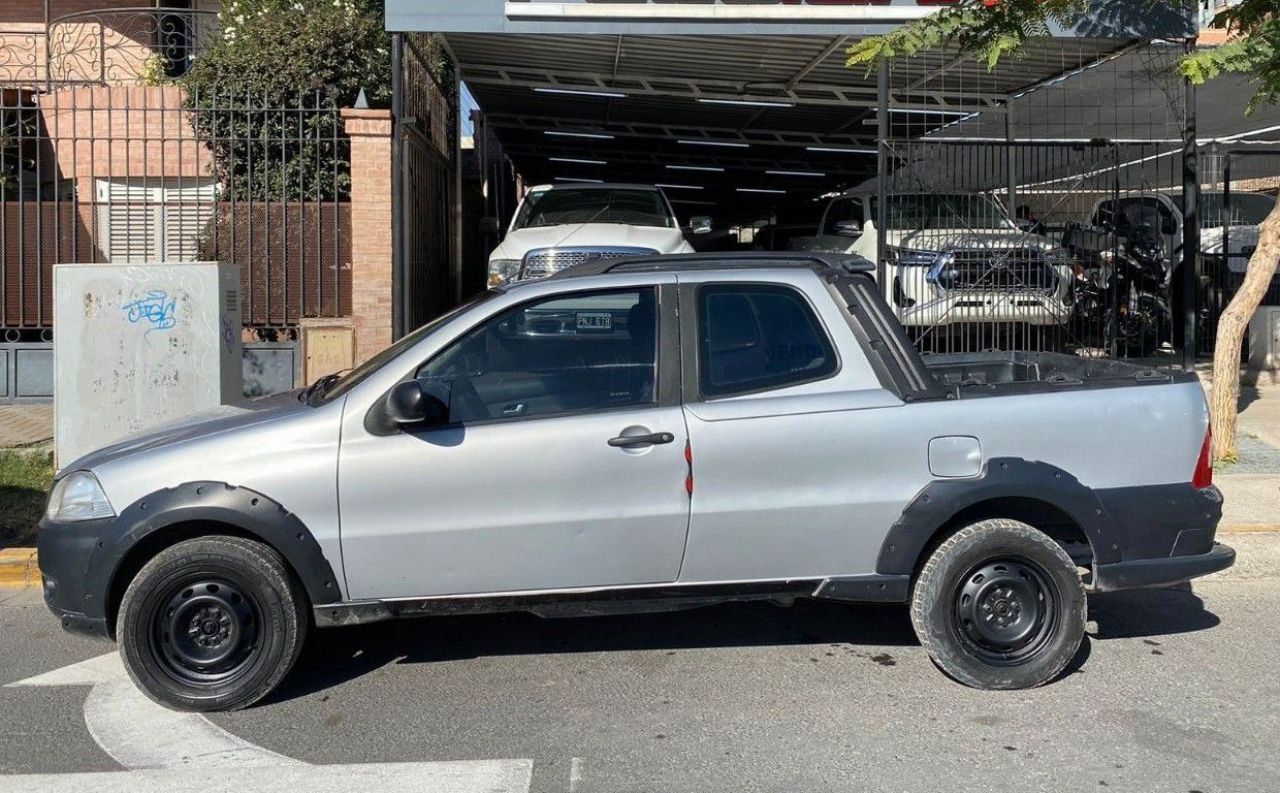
(662,240)
(197,425)
(944,239)
(1240,238)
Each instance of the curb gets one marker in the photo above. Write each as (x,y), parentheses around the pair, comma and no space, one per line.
(18,569)
(1257,546)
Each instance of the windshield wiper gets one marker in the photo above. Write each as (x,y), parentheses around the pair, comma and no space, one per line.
(320,387)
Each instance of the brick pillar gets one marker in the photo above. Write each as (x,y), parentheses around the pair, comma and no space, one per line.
(370,133)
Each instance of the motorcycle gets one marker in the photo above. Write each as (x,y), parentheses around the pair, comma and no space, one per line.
(1120,277)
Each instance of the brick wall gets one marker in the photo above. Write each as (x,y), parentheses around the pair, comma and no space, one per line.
(370,133)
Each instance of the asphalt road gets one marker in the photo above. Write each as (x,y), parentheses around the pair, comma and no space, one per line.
(1176,690)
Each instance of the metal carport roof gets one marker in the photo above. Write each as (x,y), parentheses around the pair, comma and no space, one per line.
(725,113)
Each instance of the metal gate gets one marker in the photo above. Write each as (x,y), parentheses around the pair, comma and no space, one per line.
(94,172)
(426,277)
(1069,246)
(1239,192)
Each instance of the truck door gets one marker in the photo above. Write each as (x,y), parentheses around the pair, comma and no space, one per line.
(562,464)
(798,466)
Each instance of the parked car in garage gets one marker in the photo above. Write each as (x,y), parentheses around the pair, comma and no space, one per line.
(785,237)
(952,258)
(558,226)
(647,434)
(1228,224)
(1228,236)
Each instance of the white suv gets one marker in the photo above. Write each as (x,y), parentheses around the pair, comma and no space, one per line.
(952,258)
(557,226)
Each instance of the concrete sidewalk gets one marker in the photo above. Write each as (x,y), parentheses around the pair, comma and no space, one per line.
(25,425)
(1251,486)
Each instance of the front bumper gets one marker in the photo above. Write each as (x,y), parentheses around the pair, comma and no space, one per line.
(1167,571)
(956,307)
(73,591)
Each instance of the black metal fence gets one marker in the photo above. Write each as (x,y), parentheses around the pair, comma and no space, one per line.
(426,276)
(95,174)
(1240,184)
(1073,247)
(1051,216)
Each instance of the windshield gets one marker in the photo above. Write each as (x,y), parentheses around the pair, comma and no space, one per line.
(565,206)
(914,211)
(1241,209)
(341,385)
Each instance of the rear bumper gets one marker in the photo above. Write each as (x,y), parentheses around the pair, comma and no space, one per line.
(1167,571)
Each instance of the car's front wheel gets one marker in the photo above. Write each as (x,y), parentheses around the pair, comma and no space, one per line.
(999,605)
(212,623)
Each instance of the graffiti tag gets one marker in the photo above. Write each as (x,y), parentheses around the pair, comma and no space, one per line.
(155,307)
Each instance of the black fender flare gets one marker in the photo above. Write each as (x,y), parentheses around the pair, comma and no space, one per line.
(218,502)
(1002,477)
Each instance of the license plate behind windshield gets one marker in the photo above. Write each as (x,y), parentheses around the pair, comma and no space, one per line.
(595,320)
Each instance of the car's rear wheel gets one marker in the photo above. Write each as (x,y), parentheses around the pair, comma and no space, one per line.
(213,623)
(999,605)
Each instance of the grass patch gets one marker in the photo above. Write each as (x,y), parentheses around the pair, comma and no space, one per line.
(24,483)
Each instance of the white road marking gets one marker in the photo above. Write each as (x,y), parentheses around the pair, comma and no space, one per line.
(165,750)
(140,734)
(481,776)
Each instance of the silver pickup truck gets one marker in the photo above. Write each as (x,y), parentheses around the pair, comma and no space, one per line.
(637,435)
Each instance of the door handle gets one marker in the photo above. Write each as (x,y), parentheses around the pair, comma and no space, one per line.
(655,439)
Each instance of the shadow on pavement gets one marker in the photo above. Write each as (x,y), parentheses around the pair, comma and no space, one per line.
(337,655)
(1149,612)
(334,656)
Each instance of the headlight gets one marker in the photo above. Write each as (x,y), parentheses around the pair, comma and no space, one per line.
(906,257)
(503,270)
(78,496)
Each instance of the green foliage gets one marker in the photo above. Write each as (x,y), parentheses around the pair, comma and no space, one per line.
(989,29)
(1254,51)
(25,478)
(994,29)
(153,72)
(261,95)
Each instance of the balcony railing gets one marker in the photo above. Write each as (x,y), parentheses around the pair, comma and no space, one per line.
(127,45)
(22,58)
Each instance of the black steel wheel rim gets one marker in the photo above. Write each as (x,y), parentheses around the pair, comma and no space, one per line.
(1006,610)
(205,631)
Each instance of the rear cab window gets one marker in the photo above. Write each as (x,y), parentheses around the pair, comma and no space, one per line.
(759,337)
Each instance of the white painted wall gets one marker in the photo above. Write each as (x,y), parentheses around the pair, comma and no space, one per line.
(139,345)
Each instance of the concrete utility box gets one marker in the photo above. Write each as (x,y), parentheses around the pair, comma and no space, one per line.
(1264,341)
(140,345)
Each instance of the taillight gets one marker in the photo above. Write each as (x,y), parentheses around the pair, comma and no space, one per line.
(1203,477)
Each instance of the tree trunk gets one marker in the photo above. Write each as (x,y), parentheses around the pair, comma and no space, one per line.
(1232,326)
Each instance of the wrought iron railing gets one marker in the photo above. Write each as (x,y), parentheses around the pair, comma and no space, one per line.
(22,58)
(122,45)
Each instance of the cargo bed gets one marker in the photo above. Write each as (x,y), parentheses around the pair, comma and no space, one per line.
(1000,373)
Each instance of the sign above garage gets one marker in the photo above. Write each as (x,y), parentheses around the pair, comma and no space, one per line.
(848,17)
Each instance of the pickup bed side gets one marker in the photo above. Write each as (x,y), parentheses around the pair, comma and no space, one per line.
(1116,467)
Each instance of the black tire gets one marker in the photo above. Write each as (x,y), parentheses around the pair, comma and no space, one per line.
(999,605)
(211,624)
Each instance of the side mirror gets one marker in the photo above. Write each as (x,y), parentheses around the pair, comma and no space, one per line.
(700,224)
(849,228)
(490,226)
(417,402)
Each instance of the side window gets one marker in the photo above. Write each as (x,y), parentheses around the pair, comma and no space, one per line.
(843,210)
(564,354)
(755,336)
